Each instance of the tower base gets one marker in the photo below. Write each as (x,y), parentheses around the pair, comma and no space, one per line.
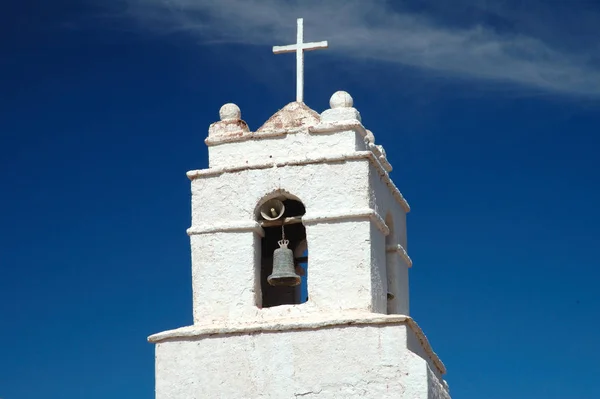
(347,356)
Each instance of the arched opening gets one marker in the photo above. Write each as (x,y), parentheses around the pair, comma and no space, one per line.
(290,225)
(391,267)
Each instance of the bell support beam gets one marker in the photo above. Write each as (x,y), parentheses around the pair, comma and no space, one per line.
(286,221)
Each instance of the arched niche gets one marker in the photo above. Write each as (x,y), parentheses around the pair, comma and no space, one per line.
(391,267)
(295,232)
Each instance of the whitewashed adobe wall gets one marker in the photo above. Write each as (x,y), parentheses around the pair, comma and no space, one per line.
(330,164)
(374,360)
(354,336)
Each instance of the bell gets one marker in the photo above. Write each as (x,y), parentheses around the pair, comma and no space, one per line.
(284,273)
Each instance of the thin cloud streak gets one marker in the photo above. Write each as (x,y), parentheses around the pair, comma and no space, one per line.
(373,30)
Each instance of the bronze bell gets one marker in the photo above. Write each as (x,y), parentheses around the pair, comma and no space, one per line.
(284,273)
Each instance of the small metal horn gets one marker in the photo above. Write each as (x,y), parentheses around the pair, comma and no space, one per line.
(272,210)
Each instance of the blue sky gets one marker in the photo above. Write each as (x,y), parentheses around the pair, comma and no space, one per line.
(489,112)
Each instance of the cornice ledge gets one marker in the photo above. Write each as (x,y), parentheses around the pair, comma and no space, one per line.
(351,214)
(396,193)
(386,164)
(193,174)
(381,168)
(426,345)
(401,251)
(331,127)
(381,157)
(277,325)
(218,140)
(310,323)
(244,226)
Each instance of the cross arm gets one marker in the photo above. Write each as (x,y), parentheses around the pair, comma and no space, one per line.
(315,45)
(285,49)
(292,48)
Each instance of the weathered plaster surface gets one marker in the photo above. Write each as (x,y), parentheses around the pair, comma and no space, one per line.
(437,388)
(293,116)
(345,358)
(339,217)
(299,145)
(196,174)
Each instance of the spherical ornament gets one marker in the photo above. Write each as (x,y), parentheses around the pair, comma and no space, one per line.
(230,112)
(341,99)
(370,137)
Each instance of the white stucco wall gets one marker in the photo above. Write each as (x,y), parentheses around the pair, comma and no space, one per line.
(436,387)
(345,204)
(233,197)
(346,196)
(347,271)
(223,275)
(283,147)
(383,201)
(378,269)
(366,361)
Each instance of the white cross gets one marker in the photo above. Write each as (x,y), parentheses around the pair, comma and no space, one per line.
(299,48)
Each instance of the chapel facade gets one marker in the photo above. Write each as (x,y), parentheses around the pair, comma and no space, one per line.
(299,268)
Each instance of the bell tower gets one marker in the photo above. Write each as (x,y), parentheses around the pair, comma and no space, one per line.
(299,266)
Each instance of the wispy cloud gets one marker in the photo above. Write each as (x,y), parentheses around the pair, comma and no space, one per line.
(374,30)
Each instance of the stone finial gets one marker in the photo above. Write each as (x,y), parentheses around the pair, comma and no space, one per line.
(231,125)
(229,112)
(341,99)
(370,137)
(342,110)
